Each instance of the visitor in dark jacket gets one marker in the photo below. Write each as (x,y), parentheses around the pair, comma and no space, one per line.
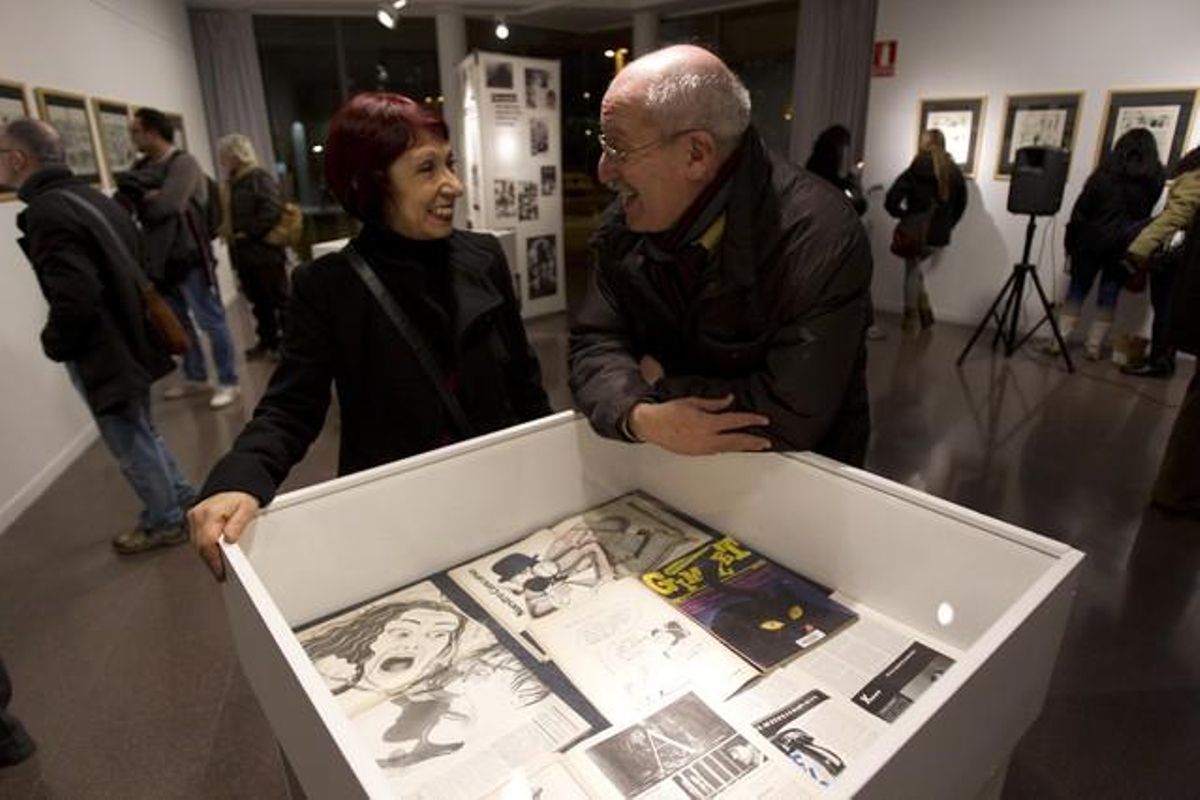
(730,296)
(932,186)
(831,160)
(1117,198)
(389,163)
(96,321)
(251,208)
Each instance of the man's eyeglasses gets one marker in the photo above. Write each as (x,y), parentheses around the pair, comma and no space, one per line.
(621,156)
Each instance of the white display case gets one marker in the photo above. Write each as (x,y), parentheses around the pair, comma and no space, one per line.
(996,594)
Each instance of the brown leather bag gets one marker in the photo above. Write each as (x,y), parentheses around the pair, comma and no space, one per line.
(163,321)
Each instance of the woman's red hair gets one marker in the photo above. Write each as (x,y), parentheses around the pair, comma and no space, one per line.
(366,135)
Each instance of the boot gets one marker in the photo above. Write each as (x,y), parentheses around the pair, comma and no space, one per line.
(1094,344)
(1066,325)
(925,311)
(909,324)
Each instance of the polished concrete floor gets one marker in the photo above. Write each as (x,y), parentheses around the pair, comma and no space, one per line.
(125,673)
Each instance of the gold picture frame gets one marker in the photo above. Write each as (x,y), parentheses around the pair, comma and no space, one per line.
(116,145)
(71,114)
(1168,112)
(951,115)
(1043,118)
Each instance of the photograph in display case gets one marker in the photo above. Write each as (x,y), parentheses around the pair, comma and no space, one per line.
(68,113)
(549,180)
(116,144)
(504,199)
(1167,113)
(539,136)
(543,266)
(527,201)
(1038,120)
(13,105)
(539,90)
(961,121)
(499,75)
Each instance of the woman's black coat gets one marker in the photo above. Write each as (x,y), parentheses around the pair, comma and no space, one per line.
(337,334)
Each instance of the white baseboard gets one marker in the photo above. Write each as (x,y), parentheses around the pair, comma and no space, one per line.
(31,491)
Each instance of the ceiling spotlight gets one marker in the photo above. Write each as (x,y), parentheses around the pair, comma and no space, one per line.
(501,29)
(399,4)
(386,15)
(609,53)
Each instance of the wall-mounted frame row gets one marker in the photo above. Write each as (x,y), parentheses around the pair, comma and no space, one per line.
(95,130)
(1052,119)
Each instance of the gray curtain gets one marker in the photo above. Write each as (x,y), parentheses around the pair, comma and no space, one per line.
(834,44)
(231,80)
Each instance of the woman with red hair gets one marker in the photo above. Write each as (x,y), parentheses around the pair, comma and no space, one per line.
(414,323)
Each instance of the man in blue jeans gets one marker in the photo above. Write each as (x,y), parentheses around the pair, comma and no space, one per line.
(81,246)
(170,193)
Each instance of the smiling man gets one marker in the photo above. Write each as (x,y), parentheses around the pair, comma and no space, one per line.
(730,298)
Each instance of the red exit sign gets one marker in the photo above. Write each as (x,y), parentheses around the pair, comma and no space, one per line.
(884,63)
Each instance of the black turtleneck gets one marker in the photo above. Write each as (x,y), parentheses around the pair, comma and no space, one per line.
(417,273)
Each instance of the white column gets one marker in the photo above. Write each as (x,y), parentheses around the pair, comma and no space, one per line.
(645,32)
(452,49)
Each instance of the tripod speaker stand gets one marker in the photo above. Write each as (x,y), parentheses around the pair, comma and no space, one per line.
(1039,175)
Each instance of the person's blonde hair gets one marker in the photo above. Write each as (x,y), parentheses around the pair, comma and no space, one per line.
(933,142)
(238,147)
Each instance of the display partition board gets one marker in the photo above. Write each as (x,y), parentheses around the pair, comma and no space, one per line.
(1167,113)
(512,164)
(69,114)
(13,105)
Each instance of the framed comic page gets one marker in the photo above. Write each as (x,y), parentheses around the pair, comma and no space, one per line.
(961,121)
(116,144)
(1037,120)
(13,105)
(69,114)
(1167,113)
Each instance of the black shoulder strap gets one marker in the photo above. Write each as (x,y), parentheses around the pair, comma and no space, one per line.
(411,336)
(122,250)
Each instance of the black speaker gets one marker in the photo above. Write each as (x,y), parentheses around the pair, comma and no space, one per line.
(1038,177)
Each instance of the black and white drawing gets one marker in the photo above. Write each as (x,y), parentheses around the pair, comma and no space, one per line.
(539,89)
(685,744)
(908,677)
(1044,120)
(793,737)
(961,121)
(429,689)
(549,180)
(527,201)
(504,199)
(542,252)
(1037,128)
(499,75)
(1166,113)
(112,119)
(539,136)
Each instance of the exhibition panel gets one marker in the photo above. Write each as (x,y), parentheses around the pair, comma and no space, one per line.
(984,603)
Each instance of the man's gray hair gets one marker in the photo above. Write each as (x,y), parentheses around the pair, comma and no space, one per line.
(713,99)
(39,139)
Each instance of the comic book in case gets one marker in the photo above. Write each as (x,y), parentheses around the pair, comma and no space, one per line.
(524,584)
(761,610)
(444,708)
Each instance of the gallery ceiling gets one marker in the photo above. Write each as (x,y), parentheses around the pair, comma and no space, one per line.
(579,16)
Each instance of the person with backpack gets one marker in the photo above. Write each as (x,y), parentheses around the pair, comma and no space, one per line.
(928,199)
(177,206)
(82,247)
(252,210)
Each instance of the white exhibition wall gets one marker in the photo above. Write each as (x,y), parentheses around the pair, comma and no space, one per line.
(994,49)
(137,51)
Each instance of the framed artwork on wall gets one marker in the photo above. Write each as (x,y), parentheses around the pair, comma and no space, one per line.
(1032,120)
(961,121)
(69,114)
(1167,113)
(13,105)
(116,145)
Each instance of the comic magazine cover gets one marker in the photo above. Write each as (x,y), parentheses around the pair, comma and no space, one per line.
(762,611)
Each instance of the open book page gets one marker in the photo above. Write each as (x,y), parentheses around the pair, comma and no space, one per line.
(554,569)
(877,663)
(761,610)
(628,651)
(820,733)
(682,751)
(445,709)
(552,778)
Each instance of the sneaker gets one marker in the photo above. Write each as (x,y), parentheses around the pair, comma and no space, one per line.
(223,396)
(139,540)
(185,389)
(1151,368)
